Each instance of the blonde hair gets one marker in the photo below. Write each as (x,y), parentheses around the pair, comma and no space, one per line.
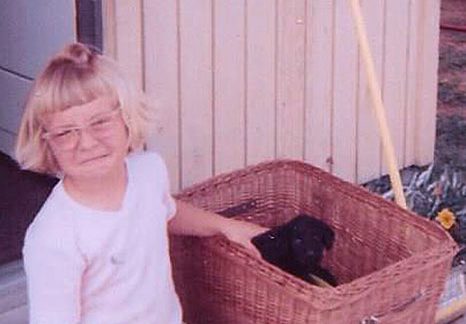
(75,76)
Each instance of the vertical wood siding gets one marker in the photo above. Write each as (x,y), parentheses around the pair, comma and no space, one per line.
(260,80)
(345,90)
(368,147)
(395,57)
(162,81)
(236,82)
(229,75)
(428,15)
(290,60)
(319,81)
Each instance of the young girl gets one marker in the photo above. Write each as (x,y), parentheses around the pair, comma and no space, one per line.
(97,252)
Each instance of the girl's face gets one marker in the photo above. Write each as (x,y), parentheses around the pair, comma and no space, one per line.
(89,140)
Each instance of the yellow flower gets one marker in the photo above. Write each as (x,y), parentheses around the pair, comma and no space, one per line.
(446,218)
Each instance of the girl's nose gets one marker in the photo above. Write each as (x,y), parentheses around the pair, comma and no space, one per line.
(86,140)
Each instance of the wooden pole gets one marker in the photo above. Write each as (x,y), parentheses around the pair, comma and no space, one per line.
(379,110)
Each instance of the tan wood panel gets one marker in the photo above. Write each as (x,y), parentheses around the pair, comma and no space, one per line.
(411,81)
(109,28)
(161,81)
(260,80)
(394,84)
(429,16)
(344,93)
(128,46)
(318,113)
(196,90)
(286,79)
(368,139)
(229,85)
(290,78)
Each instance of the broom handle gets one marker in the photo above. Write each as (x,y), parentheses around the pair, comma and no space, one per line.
(374,89)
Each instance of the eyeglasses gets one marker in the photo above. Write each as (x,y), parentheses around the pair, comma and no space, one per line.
(67,138)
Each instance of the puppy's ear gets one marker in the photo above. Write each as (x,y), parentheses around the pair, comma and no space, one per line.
(272,244)
(328,236)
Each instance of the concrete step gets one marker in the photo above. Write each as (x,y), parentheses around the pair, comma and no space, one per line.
(13,290)
(18,315)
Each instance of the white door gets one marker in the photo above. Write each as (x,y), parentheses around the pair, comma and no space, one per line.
(30,31)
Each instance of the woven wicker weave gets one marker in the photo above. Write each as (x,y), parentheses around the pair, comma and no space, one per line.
(391,264)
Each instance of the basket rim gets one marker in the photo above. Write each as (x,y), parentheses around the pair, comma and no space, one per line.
(341,185)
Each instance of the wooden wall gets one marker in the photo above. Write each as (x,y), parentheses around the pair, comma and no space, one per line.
(237,82)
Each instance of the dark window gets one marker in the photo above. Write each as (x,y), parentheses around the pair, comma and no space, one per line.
(89,22)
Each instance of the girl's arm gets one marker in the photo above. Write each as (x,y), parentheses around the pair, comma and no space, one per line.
(190,220)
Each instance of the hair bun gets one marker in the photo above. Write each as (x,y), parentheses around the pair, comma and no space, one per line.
(78,53)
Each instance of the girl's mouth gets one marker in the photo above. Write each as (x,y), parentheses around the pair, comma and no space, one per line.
(94,158)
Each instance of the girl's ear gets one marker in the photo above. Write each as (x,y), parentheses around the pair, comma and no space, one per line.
(52,161)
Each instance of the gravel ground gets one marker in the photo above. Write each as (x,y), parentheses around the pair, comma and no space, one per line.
(444,186)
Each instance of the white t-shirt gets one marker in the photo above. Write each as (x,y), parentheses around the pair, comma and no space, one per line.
(98,267)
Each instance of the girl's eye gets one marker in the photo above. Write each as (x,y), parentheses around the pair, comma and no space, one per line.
(101,122)
(63,133)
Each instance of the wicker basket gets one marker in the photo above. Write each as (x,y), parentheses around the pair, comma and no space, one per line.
(391,264)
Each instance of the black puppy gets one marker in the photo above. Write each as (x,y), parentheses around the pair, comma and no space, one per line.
(297,247)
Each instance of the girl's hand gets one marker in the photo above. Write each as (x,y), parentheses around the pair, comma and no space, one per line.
(242,232)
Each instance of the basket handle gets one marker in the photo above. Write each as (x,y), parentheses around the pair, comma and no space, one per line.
(376,318)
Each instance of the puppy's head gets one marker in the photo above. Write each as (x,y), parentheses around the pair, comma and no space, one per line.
(309,237)
(273,244)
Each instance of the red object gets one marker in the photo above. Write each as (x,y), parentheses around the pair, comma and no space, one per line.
(453,27)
